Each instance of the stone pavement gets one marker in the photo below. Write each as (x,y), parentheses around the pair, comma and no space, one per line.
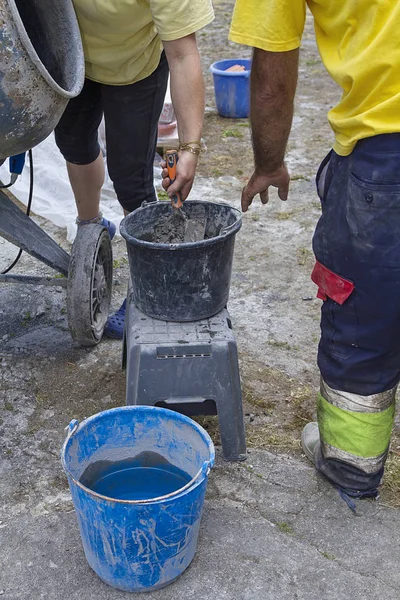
(271,530)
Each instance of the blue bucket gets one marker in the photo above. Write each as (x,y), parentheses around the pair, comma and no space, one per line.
(139,545)
(232,88)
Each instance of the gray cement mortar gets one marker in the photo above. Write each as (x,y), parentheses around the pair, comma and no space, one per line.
(175,228)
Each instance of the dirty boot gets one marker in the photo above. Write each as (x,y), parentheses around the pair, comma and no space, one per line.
(310,441)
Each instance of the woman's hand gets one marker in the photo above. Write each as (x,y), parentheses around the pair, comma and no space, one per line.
(185,172)
(188,98)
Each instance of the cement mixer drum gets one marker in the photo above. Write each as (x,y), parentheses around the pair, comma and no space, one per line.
(41,68)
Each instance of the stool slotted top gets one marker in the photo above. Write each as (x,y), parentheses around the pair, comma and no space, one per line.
(145,330)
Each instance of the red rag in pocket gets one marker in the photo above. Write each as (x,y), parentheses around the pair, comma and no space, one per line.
(331,285)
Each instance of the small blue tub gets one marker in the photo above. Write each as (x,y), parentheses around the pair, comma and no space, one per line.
(139,545)
(232,89)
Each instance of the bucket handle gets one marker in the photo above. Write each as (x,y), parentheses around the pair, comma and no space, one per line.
(71,428)
(204,470)
(146,203)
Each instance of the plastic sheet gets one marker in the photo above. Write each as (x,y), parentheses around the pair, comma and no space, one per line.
(53,198)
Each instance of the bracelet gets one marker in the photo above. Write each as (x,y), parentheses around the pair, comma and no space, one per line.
(197,142)
(186,148)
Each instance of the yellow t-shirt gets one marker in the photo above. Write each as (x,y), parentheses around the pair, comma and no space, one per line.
(359,43)
(122,39)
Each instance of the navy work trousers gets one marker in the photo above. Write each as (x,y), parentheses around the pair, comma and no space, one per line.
(358,238)
(357,247)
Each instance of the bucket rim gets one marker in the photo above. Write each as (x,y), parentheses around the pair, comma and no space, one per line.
(233,229)
(33,55)
(202,473)
(215,70)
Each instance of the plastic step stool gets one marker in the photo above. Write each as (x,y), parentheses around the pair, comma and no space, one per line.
(188,367)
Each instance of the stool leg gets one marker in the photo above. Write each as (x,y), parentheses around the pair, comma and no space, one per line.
(124,353)
(230,410)
(133,363)
(231,427)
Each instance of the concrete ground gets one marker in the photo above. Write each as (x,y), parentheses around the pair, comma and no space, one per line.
(271,528)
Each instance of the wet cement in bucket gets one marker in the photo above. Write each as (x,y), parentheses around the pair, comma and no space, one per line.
(161,224)
(168,230)
(171,229)
(143,477)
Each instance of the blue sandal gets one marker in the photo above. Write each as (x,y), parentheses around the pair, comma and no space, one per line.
(116,322)
(110,226)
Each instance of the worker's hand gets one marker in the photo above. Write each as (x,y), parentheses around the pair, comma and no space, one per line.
(185,172)
(259,184)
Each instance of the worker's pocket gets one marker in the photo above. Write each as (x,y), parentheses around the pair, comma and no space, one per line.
(373,221)
(326,191)
(331,285)
(323,177)
(339,319)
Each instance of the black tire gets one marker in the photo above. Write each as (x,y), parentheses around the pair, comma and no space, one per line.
(89,284)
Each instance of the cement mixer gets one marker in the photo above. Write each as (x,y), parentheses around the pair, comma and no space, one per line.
(41,68)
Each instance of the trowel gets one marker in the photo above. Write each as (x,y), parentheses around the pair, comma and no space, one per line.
(194,228)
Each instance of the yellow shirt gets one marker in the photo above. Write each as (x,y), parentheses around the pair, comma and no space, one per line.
(122,39)
(359,43)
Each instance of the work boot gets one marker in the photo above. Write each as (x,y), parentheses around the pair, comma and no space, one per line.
(310,441)
(116,322)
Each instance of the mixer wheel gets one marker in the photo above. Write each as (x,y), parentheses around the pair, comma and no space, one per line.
(89,284)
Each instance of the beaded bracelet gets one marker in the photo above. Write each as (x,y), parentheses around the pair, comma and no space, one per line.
(188,147)
(195,151)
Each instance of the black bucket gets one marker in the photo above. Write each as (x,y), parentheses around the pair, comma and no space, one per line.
(181,281)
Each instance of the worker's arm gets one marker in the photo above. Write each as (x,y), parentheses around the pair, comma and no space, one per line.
(188,98)
(273,87)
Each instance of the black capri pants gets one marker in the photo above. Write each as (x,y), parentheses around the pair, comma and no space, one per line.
(131,114)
